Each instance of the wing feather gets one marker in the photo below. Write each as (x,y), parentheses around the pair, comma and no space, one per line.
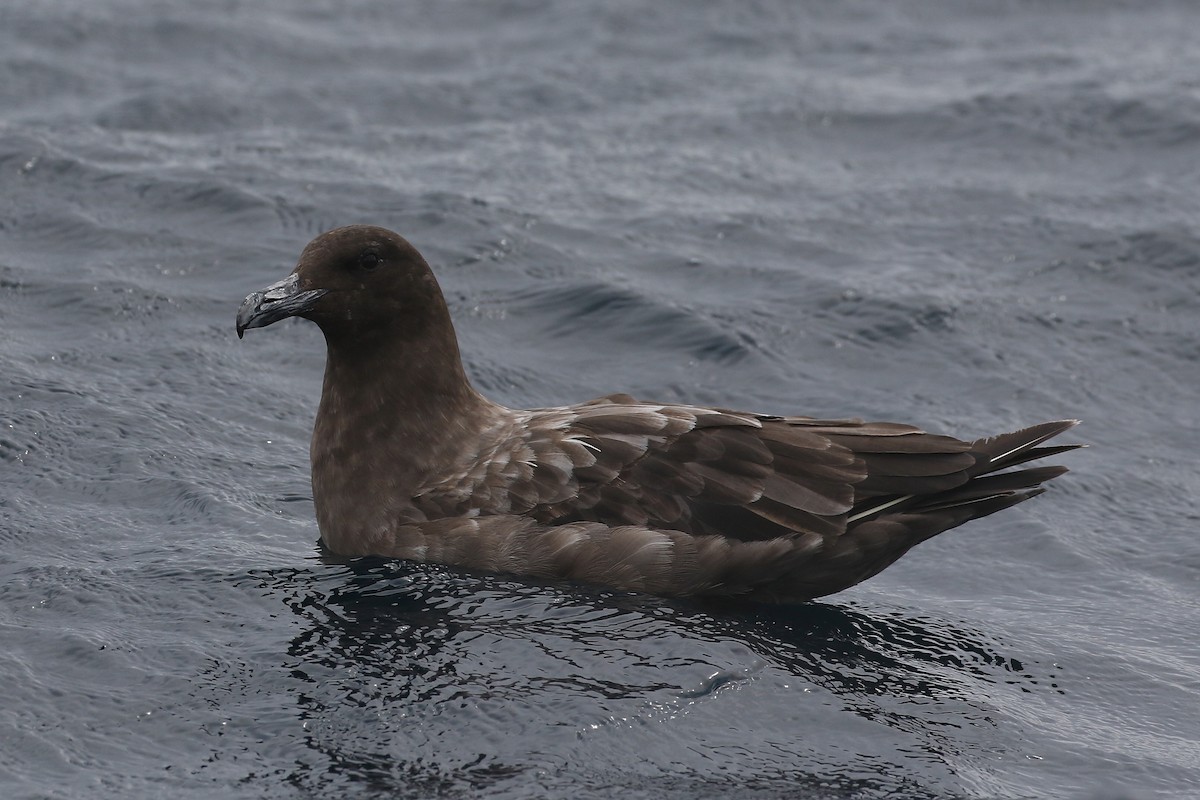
(773,507)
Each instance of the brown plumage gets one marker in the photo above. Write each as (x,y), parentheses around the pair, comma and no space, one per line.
(409,461)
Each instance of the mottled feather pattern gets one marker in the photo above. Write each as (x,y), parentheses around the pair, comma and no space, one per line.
(625,556)
(680,476)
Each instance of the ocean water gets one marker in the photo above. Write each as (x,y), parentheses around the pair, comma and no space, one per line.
(969,216)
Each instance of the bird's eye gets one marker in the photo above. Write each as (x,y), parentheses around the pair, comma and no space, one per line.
(368,261)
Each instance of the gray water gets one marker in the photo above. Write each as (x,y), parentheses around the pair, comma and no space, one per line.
(969,216)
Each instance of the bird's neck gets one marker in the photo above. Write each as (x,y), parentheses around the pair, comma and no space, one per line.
(388,416)
(405,371)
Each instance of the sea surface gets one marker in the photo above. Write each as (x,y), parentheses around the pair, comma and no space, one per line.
(969,216)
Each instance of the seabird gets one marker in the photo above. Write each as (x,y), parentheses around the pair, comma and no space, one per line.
(409,461)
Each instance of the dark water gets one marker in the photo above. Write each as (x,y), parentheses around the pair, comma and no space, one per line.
(969,216)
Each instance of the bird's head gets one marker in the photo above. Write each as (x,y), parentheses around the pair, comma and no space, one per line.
(356,283)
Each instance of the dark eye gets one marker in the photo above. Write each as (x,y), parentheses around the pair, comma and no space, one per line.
(368,261)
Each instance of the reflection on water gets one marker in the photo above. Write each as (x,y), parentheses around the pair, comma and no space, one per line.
(419,676)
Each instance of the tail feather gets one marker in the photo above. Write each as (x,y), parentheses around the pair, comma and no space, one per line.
(880,529)
(1034,454)
(1008,449)
(982,488)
